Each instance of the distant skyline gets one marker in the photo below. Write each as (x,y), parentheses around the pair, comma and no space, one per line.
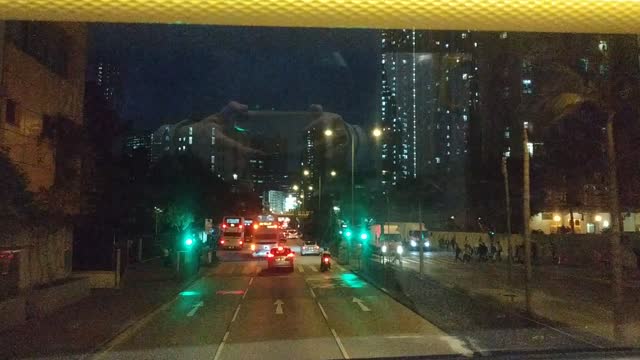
(172,72)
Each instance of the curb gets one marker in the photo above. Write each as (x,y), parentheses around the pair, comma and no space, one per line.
(131,326)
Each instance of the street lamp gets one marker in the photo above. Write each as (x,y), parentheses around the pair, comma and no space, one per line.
(295,188)
(305,173)
(376,132)
(333,173)
(328,133)
(310,188)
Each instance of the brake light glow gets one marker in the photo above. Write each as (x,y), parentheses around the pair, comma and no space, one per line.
(290,255)
(280,248)
(326,260)
(221,241)
(224,226)
(241,226)
(270,255)
(255,226)
(241,242)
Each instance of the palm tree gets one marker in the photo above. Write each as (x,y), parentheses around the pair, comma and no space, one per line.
(570,97)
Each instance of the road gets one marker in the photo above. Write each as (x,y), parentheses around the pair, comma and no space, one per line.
(240,310)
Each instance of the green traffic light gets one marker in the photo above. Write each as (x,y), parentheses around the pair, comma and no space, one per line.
(364,236)
(348,233)
(189,242)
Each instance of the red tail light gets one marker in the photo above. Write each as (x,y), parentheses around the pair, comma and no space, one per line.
(221,241)
(224,226)
(270,255)
(241,242)
(326,260)
(255,226)
(241,226)
(290,255)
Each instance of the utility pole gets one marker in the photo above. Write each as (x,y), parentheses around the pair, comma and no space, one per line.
(526,215)
(507,197)
(421,244)
(614,238)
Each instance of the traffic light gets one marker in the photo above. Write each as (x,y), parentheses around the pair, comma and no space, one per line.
(348,234)
(188,242)
(364,236)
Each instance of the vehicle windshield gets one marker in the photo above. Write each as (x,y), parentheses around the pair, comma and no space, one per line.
(478,191)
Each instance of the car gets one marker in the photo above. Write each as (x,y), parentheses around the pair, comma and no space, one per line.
(292,234)
(280,257)
(310,248)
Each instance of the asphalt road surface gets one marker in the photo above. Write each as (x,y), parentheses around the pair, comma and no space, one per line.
(240,310)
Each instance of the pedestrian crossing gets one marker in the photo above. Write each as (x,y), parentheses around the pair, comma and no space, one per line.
(253,269)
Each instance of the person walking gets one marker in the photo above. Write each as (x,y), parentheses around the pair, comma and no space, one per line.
(499,251)
(457,250)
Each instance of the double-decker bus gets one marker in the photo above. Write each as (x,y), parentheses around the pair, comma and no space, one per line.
(232,232)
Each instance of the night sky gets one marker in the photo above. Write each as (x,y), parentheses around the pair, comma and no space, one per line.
(172,72)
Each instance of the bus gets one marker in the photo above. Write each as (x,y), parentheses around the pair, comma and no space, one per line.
(232,232)
(267,235)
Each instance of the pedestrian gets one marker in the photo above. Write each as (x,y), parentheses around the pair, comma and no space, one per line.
(499,251)
(492,252)
(482,251)
(457,250)
(468,251)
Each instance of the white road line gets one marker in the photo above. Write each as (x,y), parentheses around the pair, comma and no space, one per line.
(313,268)
(235,315)
(219,350)
(245,293)
(323,312)
(342,349)
(300,268)
(195,308)
(313,294)
(250,281)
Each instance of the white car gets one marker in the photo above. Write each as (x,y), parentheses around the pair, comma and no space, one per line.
(310,248)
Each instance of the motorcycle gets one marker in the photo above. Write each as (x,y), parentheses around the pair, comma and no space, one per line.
(325,262)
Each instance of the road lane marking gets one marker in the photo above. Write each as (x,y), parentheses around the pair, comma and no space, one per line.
(457,345)
(339,342)
(235,315)
(359,302)
(278,303)
(323,312)
(250,281)
(404,336)
(300,268)
(219,350)
(245,293)
(315,269)
(313,294)
(195,308)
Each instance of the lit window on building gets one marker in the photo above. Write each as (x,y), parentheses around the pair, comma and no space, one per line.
(437,160)
(190,130)
(465,76)
(190,140)
(527,86)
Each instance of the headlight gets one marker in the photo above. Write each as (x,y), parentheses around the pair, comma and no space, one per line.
(427,244)
(399,249)
(413,243)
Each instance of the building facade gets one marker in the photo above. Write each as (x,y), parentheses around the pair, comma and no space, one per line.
(42,79)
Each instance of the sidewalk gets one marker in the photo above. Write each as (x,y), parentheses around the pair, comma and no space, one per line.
(574,298)
(76,331)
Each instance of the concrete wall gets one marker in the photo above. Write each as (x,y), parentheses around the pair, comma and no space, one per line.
(99,279)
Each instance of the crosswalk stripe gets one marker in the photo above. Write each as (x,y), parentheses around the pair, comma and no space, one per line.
(300,268)
(315,269)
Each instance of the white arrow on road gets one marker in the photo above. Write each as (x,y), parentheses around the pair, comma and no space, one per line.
(195,308)
(362,306)
(278,305)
